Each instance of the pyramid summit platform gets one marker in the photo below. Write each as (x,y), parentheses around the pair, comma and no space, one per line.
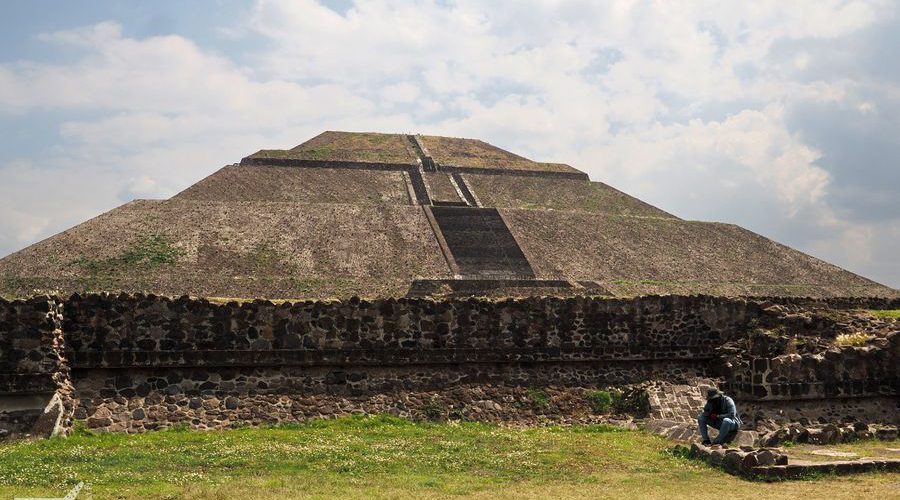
(392,215)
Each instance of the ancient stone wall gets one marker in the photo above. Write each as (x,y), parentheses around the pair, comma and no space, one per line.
(36,391)
(833,302)
(28,358)
(836,373)
(141,362)
(674,409)
(837,410)
(155,331)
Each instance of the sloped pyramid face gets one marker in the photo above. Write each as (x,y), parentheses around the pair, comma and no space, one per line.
(369,214)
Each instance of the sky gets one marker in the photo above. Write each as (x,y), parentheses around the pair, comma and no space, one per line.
(781,117)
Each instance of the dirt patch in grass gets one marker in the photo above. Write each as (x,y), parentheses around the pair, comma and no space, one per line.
(869,448)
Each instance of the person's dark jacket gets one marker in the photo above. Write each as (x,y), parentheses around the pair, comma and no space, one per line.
(722,407)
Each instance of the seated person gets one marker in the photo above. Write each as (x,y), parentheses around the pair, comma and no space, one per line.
(719,413)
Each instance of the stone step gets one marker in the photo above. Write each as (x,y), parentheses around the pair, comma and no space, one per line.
(483,285)
(464,189)
(486,251)
(418,185)
(427,161)
(438,203)
(481,243)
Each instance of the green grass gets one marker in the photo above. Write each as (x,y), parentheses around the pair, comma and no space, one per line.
(600,401)
(336,286)
(886,314)
(273,153)
(264,256)
(539,397)
(386,457)
(145,255)
(10,287)
(362,147)
(324,152)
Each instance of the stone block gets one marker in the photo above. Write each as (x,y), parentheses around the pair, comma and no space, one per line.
(717,456)
(846,467)
(830,434)
(733,460)
(770,473)
(886,433)
(793,470)
(765,457)
(745,438)
(817,437)
(98,423)
(749,461)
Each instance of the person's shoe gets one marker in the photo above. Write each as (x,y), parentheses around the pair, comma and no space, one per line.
(706,442)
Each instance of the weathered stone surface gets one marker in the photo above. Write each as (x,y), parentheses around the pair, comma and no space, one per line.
(751,460)
(341,215)
(886,433)
(493,403)
(98,422)
(745,438)
(156,361)
(716,455)
(733,460)
(831,433)
(765,457)
(772,464)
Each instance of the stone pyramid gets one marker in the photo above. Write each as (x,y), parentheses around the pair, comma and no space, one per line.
(392,215)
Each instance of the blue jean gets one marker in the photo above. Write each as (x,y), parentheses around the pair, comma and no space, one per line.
(725,426)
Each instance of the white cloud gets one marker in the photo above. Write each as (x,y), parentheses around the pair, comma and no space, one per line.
(403,92)
(36,203)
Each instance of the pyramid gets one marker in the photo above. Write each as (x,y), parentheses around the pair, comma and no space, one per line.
(393,215)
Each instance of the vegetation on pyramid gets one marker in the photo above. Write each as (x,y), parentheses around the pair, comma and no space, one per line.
(349,147)
(393,215)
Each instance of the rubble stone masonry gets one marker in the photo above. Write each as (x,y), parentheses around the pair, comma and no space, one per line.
(139,362)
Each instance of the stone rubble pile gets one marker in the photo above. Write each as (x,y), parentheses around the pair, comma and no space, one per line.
(740,460)
(485,403)
(827,434)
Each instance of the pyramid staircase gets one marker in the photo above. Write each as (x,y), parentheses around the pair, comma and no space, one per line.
(481,244)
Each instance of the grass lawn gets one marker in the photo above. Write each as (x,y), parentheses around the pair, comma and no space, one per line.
(887,313)
(367,457)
